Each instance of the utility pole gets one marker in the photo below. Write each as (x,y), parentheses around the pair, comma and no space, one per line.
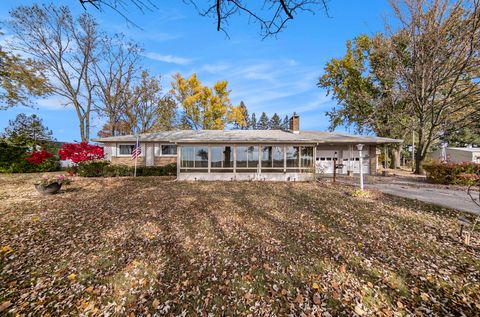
(413,150)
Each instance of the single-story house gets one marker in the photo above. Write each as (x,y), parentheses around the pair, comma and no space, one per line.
(456,154)
(282,155)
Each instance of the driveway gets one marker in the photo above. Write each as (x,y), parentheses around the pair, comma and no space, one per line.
(455,199)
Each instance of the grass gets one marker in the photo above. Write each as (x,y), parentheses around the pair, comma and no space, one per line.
(150,245)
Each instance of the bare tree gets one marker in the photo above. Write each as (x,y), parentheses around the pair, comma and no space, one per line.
(436,51)
(271,15)
(66,48)
(115,70)
(149,108)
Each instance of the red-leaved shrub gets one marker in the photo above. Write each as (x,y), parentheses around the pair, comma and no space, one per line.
(38,157)
(451,173)
(80,152)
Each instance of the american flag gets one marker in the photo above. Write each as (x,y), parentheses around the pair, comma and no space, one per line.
(137,150)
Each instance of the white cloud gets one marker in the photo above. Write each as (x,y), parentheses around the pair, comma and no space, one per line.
(167,58)
(214,68)
(52,103)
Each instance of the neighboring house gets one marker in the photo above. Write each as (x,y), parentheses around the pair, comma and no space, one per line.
(456,154)
(291,155)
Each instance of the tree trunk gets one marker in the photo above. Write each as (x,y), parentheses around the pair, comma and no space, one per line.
(82,130)
(419,158)
(87,127)
(395,157)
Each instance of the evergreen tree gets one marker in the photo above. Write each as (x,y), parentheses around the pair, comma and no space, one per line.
(253,122)
(263,122)
(27,131)
(275,122)
(285,123)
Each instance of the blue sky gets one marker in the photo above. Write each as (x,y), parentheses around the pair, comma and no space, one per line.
(271,75)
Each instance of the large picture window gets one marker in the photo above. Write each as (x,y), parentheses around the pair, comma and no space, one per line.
(125,149)
(272,157)
(221,158)
(293,156)
(247,158)
(194,157)
(307,157)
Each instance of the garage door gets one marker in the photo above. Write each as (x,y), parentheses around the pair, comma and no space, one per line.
(324,161)
(354,163)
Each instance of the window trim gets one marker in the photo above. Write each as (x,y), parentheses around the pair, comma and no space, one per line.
(232,147)
(266,168)
(194,167)
(125,155)
(256,168)
(159,146)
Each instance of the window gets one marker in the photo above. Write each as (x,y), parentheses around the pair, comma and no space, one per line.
(194,157)
(293,156)
(222,158)
(307,157)
(267,156)
(272,157)
(169,150)
(125,149)
(247,156)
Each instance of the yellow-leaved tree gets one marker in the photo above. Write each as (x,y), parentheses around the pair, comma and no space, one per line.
(205,107)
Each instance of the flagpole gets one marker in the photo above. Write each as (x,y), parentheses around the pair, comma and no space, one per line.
(136,155)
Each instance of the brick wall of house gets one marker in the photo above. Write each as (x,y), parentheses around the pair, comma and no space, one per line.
(158,161)
(165,160)
(128,160)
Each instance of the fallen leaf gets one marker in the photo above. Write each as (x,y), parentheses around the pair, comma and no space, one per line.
(155,303)
(72,277)
(425,297)
(6,249)
(316,299)
(315,286)
(299,299)
(359,311)
(5,305)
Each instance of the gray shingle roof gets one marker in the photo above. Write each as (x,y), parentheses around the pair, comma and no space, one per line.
(247,136)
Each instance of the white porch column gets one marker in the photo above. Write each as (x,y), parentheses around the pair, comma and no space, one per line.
(179,151)
(209,158)
(234,148)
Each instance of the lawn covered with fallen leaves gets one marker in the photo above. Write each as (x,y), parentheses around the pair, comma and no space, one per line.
(154,246)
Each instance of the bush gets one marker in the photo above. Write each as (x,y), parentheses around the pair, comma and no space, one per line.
(80,152)
(105,169)
(117,170)
(38,157)
(167,170)
(92,168)
(13,160)
(450,173)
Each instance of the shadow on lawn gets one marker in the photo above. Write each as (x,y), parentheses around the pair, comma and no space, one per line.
(231,247)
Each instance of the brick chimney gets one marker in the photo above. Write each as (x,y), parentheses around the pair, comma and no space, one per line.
(295,123)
